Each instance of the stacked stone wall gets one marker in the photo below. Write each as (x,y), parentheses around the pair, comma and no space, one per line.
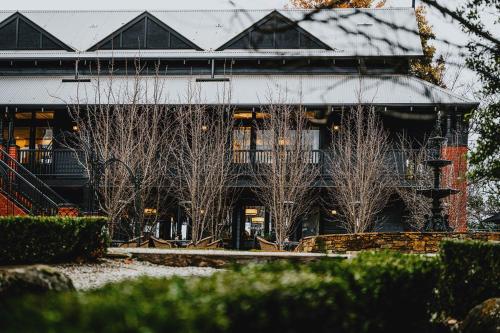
(413,242)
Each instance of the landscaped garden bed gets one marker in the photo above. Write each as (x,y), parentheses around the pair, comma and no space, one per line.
(373,292)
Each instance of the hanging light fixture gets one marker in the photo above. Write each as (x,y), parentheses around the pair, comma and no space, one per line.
(251,212)
(257,220)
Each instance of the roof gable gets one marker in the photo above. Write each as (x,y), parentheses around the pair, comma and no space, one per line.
(275,31)
(210,29)
(17,32)
(145,32)
(347,32)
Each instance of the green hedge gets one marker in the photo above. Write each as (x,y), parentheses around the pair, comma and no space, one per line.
(471,275)
(375,292)
(379,292)
(34,239)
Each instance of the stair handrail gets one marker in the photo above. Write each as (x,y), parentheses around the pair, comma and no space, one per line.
(18,176)
(56,198)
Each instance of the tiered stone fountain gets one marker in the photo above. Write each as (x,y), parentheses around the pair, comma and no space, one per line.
(437,221)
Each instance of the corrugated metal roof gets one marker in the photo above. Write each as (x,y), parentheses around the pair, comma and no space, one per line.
(168,54)
(244,90)
(81,30)
(363,32)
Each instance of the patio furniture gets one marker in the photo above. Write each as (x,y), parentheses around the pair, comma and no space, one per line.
(215,244)
(299,247)
(266,245)
(133,243)
(203,243)
(162,244)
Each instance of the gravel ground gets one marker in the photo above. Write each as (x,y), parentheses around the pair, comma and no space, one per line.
(95,275)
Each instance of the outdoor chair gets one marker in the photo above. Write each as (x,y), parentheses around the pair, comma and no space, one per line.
(201,244)
(133,243)
(215,244)
(161,243)
(267,246)
(299,247)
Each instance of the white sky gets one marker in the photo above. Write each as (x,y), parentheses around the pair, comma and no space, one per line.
(156,4)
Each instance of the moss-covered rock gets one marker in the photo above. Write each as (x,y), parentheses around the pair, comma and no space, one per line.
(20,280)
(483,318)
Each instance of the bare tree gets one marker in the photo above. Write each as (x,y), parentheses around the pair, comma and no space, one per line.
(359,163)
(124,131)
(203,165)
(413,175)
(286,171)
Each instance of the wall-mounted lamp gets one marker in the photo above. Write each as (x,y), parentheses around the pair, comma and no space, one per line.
(334,212)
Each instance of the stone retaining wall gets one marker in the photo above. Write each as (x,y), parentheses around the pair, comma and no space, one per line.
(414,242)
(216,258)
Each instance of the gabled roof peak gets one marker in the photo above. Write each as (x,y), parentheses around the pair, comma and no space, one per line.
(209,29)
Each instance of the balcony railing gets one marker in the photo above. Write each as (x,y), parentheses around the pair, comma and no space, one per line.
(52,162)
(66,162)
(267,156)
(398,160)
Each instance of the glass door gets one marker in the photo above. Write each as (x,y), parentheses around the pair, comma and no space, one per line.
(255,222)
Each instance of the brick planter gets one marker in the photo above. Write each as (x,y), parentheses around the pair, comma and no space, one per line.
(414,242)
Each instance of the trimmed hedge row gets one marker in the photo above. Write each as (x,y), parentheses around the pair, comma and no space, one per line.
(471,274)
(376,292)
(35,239)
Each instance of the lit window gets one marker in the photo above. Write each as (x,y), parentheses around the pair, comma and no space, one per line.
(22,136)
(46,115)
(24,115)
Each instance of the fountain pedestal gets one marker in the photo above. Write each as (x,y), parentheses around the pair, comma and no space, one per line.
(437,221)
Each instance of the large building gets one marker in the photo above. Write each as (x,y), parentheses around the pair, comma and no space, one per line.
(329,61)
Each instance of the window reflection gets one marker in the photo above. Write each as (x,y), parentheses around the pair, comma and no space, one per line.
(241,144)
(43,138)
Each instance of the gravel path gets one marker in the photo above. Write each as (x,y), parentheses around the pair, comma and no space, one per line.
(91,276)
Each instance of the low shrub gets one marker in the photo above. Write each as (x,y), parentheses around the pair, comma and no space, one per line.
(394,291)
(471,275)
(34,239)
(328,296)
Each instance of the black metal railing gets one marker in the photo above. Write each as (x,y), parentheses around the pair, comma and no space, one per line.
(25,189)
(66,162)
(267,156)
(399,161)
(52,162)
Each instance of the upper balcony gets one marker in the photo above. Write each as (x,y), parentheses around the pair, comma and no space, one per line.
(65,164)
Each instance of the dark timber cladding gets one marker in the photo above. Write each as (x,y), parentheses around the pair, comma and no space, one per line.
(328,63)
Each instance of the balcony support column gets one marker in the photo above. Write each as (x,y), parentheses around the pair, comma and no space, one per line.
(11,140)
(2,116)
